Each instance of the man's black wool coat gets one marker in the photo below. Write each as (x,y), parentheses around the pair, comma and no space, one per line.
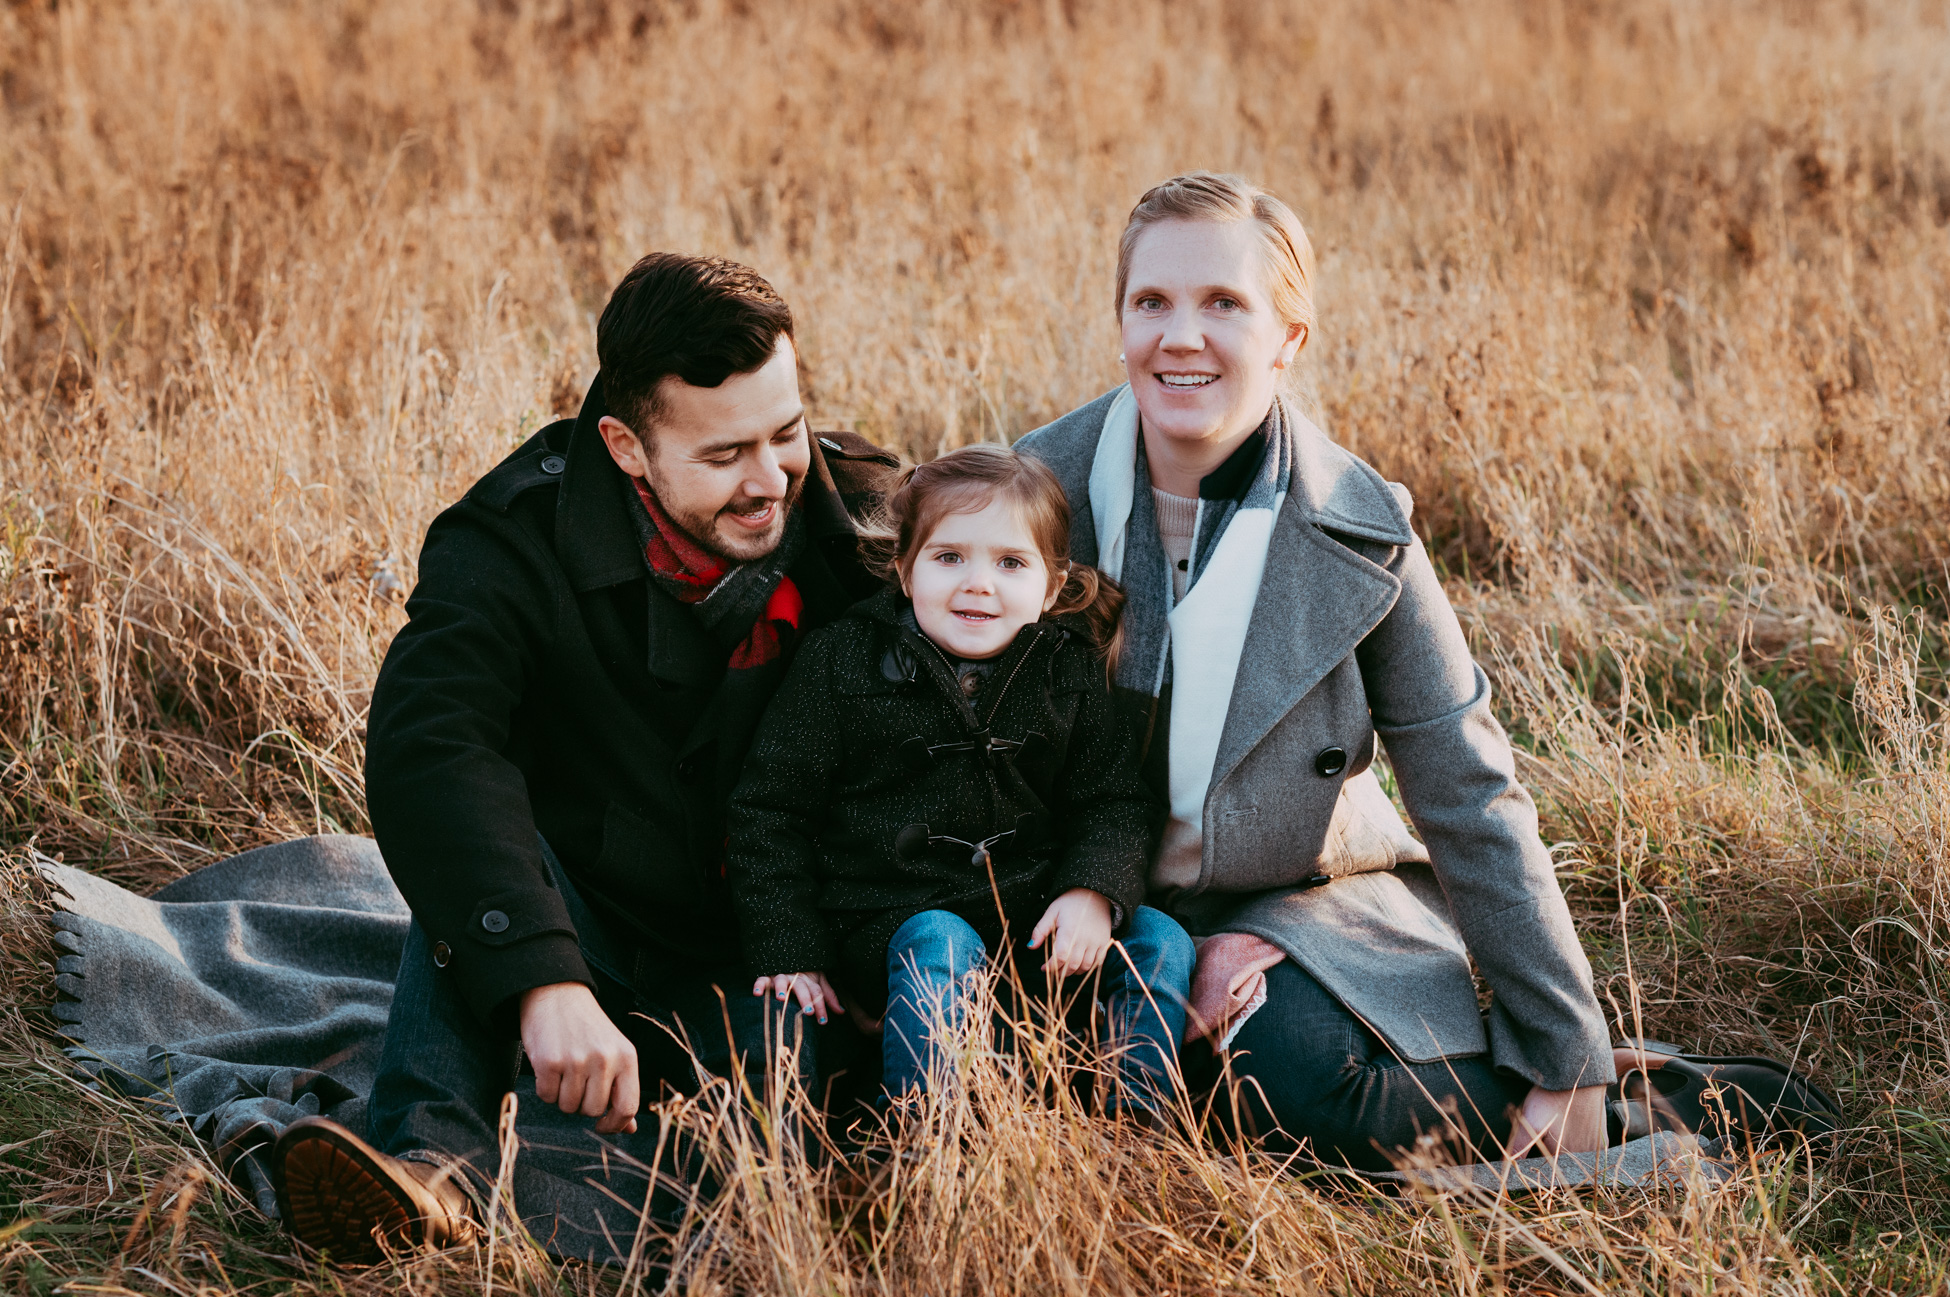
(544,682)
(870,737)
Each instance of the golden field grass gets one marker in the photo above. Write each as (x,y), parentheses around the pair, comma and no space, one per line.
(1648,303)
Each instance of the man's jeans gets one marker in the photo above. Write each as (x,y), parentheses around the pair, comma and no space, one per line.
(934,954)
(1308,1069)
(443,1072)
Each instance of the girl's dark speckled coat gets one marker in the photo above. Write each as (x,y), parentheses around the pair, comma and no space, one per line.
(870,737)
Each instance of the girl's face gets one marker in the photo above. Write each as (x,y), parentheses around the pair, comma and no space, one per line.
(977,580)
(1203,344)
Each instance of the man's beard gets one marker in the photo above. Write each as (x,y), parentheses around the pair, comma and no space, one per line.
(715,535)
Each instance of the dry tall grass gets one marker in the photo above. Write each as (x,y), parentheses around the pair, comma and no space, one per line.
(1646,302)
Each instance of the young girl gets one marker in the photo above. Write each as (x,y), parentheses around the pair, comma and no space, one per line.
(942,778)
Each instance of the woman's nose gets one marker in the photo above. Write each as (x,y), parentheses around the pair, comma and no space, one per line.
(1182,332)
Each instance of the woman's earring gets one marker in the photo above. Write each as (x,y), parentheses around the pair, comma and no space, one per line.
(1120,357)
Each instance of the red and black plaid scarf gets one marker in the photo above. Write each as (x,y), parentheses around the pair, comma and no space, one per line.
(693,575)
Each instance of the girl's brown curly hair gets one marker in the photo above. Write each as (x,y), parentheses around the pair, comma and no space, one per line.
(967,480)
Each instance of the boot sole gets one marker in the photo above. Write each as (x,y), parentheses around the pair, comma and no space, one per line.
(336,1198)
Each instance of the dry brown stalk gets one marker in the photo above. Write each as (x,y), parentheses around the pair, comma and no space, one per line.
(1646,302)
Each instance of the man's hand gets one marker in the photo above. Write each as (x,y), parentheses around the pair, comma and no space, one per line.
(1559,1121)
(582,1062)
(1077,924)
(816,994)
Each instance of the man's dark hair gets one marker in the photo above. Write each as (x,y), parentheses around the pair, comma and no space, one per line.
(701,319)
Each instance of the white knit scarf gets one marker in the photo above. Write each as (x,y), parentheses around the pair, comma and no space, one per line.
(1204,634)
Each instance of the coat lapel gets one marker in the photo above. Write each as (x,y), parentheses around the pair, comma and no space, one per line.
(1318,598)
(1317,601)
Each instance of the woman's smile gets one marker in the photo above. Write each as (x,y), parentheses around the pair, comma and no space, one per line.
(1203,344)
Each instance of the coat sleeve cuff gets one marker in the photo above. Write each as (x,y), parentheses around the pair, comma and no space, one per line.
(790,952)
(1115,887)
(1577,1053)
(809,961)
(1120,914)
(491,979)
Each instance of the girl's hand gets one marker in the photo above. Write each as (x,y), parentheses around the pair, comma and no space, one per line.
(816,994)
(1078,925)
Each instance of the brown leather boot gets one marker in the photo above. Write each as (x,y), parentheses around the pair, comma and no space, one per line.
(339,1194)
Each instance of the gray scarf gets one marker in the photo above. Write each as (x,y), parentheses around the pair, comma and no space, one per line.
(1203,644)
(1253,478)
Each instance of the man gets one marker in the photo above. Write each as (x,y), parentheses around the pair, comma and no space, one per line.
(554,736)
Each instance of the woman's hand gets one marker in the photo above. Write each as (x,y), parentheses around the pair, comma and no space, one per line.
(1559,1121)
(582,1062)
(816,994)
(1077,925)
(1231,971)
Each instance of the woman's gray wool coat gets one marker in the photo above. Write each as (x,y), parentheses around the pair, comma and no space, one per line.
(1352,639)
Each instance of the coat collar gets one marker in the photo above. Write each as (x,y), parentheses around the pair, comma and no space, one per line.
(595,539)
(1335,491)
(1318,598)
(1331,489)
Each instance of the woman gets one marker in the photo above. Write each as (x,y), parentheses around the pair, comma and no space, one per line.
(1283,619)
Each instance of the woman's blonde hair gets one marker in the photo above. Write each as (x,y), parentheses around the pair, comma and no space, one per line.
(967,480)
(1206,196)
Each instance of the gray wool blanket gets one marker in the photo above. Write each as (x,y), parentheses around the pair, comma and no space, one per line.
(255,991)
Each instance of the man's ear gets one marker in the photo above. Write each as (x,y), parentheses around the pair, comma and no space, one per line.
(624,447)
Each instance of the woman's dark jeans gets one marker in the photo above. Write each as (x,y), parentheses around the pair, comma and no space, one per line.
(1307,1070)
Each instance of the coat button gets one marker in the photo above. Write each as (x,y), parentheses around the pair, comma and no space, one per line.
(1330,762)
(495,921)
(687,769)
(553,464)
(441,954)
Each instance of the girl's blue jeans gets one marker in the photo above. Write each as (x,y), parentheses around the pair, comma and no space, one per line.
(1145,987)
